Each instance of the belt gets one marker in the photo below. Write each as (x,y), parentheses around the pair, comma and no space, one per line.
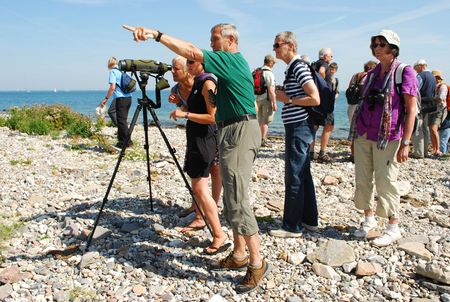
(245,117)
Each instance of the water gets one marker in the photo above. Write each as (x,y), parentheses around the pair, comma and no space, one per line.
(85,102)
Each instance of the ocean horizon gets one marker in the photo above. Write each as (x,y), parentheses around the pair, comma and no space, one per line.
(85,102)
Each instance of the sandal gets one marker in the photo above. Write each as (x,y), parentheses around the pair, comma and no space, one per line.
(214,250)
(192,228)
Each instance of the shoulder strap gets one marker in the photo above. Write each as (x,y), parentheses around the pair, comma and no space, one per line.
(398,78)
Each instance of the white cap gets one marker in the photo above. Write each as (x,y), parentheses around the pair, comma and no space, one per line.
(420,62)
(390,36)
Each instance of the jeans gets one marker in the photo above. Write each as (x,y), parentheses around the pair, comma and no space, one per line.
(122,108)
(300,205)
(444,137)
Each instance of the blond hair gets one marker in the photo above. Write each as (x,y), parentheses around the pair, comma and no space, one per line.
(112,62)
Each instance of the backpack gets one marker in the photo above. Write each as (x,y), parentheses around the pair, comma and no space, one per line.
(398,80)
(325,92)
(127,83)
(354,91)
(448,97)
(259,81)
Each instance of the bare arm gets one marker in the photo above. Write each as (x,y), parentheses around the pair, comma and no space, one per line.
(111,89)
(180,47)
(322,72)
(411,110)
(272,97)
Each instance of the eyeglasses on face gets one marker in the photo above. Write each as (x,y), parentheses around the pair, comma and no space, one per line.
(375,45)
(189,62)
(278,44)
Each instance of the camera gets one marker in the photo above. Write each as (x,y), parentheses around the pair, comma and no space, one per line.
(376,96)
(149,66)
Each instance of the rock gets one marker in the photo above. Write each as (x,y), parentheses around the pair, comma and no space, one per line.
(325,271)
(443,221)
(275,205)
(416,249)
(433,271)
(335,253)
(262,173)
(11,274)
(130,227)
(330,181)
(88,259)
(293,299)
(100,233)
(367,269)
(416,238)
(159,229)
(139,290)
(262,212)
(296,258)
(217,298)
(418,200)
(348,267)
(5,291)
(37,199)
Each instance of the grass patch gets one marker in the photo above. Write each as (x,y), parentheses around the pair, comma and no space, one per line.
(268,219)
(9,227)
(16,162)
(81,294)
(49,119)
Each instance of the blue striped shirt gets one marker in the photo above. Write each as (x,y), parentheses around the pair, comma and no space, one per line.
(293,86)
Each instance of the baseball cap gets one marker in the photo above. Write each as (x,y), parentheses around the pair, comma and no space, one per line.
(437,73)
(390,36)
(420,62)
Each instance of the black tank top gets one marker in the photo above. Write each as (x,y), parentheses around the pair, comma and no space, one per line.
(197,104)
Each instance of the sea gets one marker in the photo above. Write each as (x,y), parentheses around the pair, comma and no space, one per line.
(85,103)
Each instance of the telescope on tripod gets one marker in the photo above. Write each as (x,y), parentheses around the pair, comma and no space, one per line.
(146,69)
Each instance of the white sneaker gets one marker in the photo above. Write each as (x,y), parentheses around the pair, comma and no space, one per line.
(364,229)
(284,234)
(388,238)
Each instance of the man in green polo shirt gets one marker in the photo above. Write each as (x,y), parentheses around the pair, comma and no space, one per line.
(239,140)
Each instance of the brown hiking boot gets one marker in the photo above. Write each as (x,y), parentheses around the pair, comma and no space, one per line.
(229,263)
(253,278)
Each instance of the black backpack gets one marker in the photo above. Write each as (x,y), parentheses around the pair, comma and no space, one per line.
(354,91)
(325,92)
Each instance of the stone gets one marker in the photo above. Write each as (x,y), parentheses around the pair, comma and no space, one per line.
(416,249)
(367,269)
(5,291)
(415,238)
(88,259)
(11,274)
(139,290)
(293,299)
(335,253)
(348,267)
(418,200)
(330,181)
(100,233)
(443,221)
(325,271)
(296,258)
(38,199)
(433,271)
(159,229)
(262,173)
(130,227)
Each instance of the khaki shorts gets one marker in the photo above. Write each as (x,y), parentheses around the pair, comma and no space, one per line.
(436,118)
(265,111)
(238,147)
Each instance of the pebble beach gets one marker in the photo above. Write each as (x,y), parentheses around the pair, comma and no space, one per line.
(52,189)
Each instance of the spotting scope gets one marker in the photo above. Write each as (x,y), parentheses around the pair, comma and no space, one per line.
(149,66)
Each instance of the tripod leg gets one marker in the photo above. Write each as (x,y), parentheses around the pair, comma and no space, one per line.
(146,147)
(172,152)
(121,154)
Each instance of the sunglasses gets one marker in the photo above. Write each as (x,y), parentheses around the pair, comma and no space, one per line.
(375,45)
(190,62)
(277,45)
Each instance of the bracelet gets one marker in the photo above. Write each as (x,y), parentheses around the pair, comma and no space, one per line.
(106,98)
(186,115)
(158,37)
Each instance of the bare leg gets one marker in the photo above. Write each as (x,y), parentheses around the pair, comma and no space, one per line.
(216,182)
(264,130)
(434,137)
(327,129)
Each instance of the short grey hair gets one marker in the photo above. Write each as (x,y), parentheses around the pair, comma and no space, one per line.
(324,51)
(289,37)
(227,30)
(181,60)
(269,58)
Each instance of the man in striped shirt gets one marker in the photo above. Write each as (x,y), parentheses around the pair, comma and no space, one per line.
(299,91)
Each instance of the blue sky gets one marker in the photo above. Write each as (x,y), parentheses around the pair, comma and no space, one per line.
(65,44)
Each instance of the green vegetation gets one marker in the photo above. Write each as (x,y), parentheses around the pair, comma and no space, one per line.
(8,228)
(16,162)
(81,294)
(48,119)
(2,121)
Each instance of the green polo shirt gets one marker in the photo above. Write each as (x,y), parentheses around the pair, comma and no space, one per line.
(234,83)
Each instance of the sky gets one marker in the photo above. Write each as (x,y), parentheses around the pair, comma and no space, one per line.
(65,44)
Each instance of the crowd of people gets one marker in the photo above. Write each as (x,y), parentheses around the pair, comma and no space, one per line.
(226,124)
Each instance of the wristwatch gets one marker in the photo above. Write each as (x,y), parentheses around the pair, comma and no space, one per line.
(406,142)
(290,101)
(186,115)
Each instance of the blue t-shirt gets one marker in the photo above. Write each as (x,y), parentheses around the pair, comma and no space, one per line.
(115,76)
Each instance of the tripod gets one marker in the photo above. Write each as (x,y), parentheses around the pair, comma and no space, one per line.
(146,104)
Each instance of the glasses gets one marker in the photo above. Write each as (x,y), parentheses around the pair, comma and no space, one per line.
(189,62)
(375,45)
(278,44)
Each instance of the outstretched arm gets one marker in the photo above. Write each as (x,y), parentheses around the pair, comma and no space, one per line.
(180,47)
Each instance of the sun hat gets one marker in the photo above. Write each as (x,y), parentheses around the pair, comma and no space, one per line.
(390,36)
(437,73)
(100,111)
(420,62)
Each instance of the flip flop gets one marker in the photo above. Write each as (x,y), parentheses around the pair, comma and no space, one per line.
(187,229)
(185,212)
(213,250)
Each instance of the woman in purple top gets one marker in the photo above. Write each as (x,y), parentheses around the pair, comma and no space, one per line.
(382,128)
